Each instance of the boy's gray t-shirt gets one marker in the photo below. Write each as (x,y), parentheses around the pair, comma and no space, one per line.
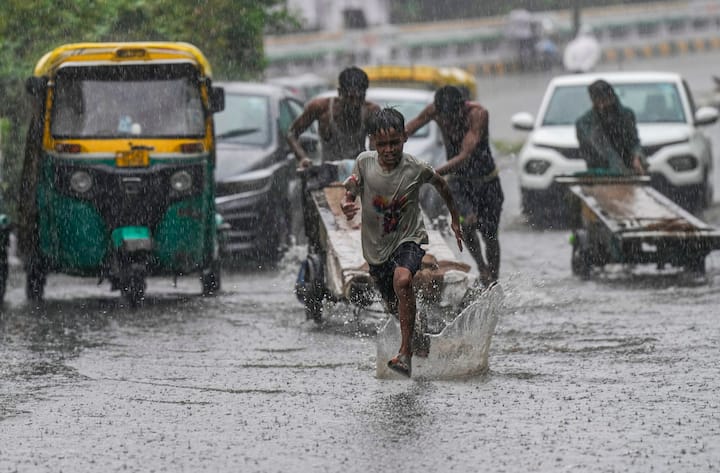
(390,204)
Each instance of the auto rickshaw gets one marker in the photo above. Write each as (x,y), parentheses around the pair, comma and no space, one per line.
(425,77)
(118,173)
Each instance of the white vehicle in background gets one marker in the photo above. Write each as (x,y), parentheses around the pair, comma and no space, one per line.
(678,153)
(304,86)
(425,144)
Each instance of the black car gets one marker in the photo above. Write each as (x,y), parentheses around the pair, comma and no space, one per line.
(256,170)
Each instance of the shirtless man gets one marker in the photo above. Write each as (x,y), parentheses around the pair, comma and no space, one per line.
(473,176)
(342,120)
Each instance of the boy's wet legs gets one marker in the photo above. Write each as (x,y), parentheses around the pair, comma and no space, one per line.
(402,283)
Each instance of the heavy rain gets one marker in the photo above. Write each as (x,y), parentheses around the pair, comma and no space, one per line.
(186,287)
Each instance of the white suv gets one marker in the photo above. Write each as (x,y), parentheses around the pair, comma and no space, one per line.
(679,154)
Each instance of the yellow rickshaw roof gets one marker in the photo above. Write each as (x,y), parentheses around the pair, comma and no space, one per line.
(121,52)
(433,77)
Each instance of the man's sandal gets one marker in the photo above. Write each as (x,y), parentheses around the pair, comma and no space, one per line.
(401,364)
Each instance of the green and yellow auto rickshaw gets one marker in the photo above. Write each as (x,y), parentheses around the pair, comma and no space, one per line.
(118,173)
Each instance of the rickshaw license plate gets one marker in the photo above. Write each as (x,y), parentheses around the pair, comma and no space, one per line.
(135,158)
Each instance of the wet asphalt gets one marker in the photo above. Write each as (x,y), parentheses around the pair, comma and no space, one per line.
(618,373)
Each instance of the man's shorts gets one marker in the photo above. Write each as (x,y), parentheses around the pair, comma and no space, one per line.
(479,199)
(408,255)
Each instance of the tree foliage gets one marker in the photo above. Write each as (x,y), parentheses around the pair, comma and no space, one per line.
(229,32)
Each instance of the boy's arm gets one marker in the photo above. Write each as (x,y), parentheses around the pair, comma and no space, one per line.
(444,190)
(312,112)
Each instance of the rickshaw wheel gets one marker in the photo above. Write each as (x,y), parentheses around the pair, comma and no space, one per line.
(696,264)
(35,280)
(211,280)
(315,290)
(134,291)
(3,274)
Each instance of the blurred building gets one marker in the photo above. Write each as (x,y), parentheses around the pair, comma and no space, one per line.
(339,15)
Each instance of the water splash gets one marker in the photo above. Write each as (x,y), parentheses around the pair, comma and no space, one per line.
(459,350)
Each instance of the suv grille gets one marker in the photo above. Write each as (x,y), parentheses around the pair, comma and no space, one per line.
(570,153)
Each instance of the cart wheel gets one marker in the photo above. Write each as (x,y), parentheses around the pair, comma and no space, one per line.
(696,264)
(210,280)
(580,260)
(133,290)
(314,288)
(35,279)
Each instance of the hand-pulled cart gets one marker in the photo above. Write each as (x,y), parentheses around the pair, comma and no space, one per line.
(622,219)
(335,269)
(455,320)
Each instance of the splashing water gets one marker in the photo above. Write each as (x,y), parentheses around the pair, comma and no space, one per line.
(459,350)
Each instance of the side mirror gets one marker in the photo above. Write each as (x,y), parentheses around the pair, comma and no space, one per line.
(706,116)
(523,121)
(36,86)
(217,99)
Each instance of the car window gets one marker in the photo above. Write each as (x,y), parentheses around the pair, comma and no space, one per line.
(246,119)
(654,102)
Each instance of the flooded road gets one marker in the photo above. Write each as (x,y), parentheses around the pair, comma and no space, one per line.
(618,373)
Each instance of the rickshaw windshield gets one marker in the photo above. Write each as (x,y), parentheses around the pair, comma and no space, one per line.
(152,101)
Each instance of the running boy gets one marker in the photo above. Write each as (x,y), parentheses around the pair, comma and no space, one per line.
(388,182)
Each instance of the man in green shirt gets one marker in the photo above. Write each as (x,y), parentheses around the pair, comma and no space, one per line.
(607,133)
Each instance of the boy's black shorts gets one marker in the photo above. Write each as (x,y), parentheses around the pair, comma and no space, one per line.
(408,255)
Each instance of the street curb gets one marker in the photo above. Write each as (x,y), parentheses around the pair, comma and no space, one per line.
(612,54)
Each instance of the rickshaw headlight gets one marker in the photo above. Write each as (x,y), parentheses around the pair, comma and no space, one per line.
(81,182)
(181,181)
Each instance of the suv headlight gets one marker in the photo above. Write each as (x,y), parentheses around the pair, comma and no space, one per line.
(81,182)
(537,166)
(684,162)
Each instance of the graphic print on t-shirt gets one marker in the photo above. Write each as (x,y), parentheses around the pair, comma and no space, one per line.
(390,211)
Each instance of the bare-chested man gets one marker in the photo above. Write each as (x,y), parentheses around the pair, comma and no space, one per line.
(471,170)
(342,120)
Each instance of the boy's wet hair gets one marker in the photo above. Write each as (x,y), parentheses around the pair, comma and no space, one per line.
(448,99)
(386,119)
(353,78)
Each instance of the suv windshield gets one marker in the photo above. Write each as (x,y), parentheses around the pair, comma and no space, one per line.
(245,120)
(654,102)
(153,101)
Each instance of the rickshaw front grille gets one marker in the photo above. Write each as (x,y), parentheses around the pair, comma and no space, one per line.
(132,196)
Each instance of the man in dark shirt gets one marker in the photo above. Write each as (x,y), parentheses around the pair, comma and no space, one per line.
(473,176)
